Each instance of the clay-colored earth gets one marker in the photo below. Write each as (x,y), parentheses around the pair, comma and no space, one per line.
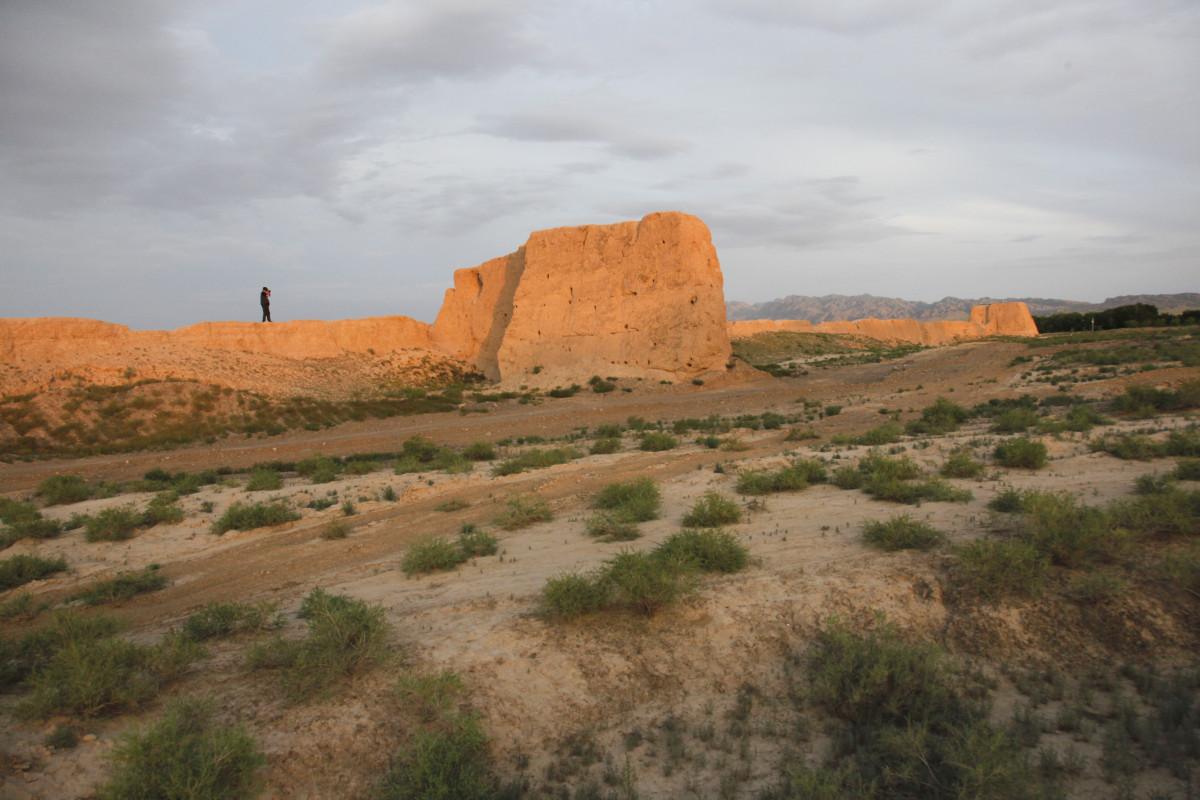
(545,689)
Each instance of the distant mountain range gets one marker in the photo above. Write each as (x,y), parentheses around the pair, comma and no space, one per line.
(860,306)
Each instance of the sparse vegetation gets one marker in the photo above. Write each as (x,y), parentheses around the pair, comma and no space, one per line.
(1021,453)
(944,416)
(712,510)
(901,533)
(961,464)
(124,586)
(637,500)
(60,490)
(21,569)
(657,441)
(437,553)
(248,516)
(185,754)
(263,480)
(522,511)
(219,620)
(537,458)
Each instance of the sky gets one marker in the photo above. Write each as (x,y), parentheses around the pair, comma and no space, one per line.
(160,161)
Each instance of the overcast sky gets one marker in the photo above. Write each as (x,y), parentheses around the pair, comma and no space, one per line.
(160,161)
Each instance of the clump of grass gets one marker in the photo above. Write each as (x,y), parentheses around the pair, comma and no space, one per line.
(710,550)
(1187,469)
(647,582)
(248,516)
(522,511)
(1015,420)
(86,671)
(887,433)
(348,508)
(453,504)
(219,620)
(162,510)
(430,554)
(480,451)
(418,454)
(264,480)
(657,441)
(185,754)
(1064,529)
(792,478)
(345,636)
(637,500)
(388,494)
(1082,418)
(430,696)
(1008,501)
(609,527)
(124,586)
(337,529)
(712,510)
(1095,587)
(60,490)
(1021,453)
(20,657)
(63,737)
(1155,483)
(1129,446)
(894,480)
(319,469)
(901,533)
(574,595)
(802,434)
(961,464)
(605,445)
(473,543)
(448,760)
(995,568)
(944,416)
(908,723)
(20,606)
(21,569)
(112,524)
(537,458)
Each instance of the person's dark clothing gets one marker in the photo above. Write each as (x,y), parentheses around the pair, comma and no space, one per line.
(264,300)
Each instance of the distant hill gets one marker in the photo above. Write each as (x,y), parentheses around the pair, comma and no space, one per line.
(840,306)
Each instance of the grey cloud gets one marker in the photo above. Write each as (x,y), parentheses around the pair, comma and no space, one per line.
(619,138)
(864,16)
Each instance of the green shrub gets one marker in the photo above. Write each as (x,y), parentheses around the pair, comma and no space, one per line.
(89,676)
(447,762)
(345,637)
(1187,469)
(657,441)
(1008,501)
(573,595)
(832,411)
(791,478)
(993,569)
(124,586)
(186,754)
(1168,513)
(610,527)
(219,620)
(430,554)
(13,512)
(1129,446)
(112,524)
(709,550)
(876,466)
(1015,420)
(647,583)
(802,434)
(22,569)
(522,511)
(637,500)
(961,464)
(944,416)
(901,533)
(1156,483)
(337,529)
(887,433)
(37,528)
(848,477)
(1082,418)
(712,510)
(348,508)
(605,446)
(1070,533)
(21,657)
(264,480)
(248,516)
(1021,453)
(537,458)
(1183,443)
(473,543)
(319,469)
(1095,587)
(63,737)
(64,489)
(480,451)
(162,510)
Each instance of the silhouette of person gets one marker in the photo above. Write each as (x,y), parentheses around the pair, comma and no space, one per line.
(264,299)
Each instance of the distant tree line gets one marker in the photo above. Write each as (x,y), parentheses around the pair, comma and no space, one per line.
(1138,315)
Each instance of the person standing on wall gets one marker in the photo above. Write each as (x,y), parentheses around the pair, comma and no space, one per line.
(264,299)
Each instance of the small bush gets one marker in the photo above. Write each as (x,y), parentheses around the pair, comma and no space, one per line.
(1129,446)
(887,433)
(446,762)
(961,464)
(248,516)
(22,569)
(993,569)
(480,451)
(832,411)
(637,500)
(522,511)
(802,434)
(537,458)
(1015,420)
(1095,587)
(319,469)
(944,416)
(574,595)
(61,490)
(709,550)
(162,510)
(473,543)
(610,527)
(1153,484)
(1082,418)
(430,554)
(37,528)
(1008,501)
(112,524)
(337,529)
(901,533)
(186,754)
(792,478)
(647,583)
(345,636)
(264,480)
(1070,533)
(605,446)
(219,620)
(712,510)
(657,441)
(1187,469)
(1021,453)
(124,586)
(63,737)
